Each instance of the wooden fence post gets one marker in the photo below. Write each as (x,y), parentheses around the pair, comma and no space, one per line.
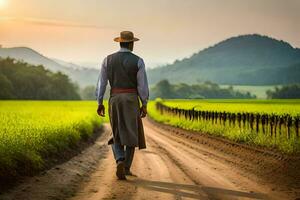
(288,124)
(268,122)
(251,120)
(224,118)
(257,117)
(233,118)
(281,121)
(263,121)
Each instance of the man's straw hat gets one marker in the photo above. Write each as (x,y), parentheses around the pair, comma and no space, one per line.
(126,36)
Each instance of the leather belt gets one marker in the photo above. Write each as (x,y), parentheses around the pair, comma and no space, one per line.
(123,90)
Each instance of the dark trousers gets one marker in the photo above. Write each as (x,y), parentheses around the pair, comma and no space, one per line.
(123,153)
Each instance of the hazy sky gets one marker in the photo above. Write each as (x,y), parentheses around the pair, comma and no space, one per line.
(83,30)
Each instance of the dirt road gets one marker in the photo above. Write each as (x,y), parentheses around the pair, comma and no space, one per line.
(172,167)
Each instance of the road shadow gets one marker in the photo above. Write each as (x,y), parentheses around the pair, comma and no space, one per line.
(195,191)
(149,152)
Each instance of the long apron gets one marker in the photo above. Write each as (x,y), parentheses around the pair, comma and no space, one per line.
(125,120)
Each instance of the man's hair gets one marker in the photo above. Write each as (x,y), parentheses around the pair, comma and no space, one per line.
(125,44)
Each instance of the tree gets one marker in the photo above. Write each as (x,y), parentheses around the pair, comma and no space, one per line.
(88,93)
(6,88)
(20,80)
(208,89)
(291,91)
(163,89)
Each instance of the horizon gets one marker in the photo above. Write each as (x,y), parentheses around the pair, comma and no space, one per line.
(91,64)
(83,33)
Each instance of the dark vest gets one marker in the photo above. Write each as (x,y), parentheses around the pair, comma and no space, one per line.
(122,68)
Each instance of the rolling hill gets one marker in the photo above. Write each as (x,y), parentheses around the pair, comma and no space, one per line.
(242,60)
(82,76)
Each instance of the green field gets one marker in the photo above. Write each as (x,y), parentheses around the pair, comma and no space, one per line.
(270,135)
(291,107)
(32,130)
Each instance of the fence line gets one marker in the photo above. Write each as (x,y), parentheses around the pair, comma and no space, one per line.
(271,124)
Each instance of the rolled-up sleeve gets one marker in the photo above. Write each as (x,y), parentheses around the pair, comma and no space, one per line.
(102,82)
(142,82)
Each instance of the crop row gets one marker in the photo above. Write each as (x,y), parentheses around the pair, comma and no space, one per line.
(31,132)
(269,124)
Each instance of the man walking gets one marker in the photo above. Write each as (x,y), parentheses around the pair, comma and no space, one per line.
(127,77)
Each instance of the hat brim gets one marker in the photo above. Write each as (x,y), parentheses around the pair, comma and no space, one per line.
(119,39)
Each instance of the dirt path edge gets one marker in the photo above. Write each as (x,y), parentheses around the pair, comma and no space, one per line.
(279,170)
(64,175)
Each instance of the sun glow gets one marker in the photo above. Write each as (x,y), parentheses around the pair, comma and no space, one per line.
(2,3)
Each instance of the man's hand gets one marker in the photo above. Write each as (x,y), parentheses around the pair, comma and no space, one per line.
(143,111)
(101,110)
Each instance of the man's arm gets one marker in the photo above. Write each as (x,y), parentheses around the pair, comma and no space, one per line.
(101,87)
(142,83)
(102,82)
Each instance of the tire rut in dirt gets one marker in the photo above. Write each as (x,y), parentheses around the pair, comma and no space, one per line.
(190,162)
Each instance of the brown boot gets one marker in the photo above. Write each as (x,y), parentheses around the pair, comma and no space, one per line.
(120,170)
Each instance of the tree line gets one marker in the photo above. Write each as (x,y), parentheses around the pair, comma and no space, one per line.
(164,89)
(291,91)
(20,80)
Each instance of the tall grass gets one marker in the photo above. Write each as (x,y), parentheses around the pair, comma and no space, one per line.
(241,135)
(31,130)
(274,106)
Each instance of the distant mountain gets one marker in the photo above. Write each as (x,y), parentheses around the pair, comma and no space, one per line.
(242,60)
(93,65)
(82,76)
(67,64)
(97,65)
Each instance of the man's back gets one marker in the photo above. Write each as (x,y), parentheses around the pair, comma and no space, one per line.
(122,68)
